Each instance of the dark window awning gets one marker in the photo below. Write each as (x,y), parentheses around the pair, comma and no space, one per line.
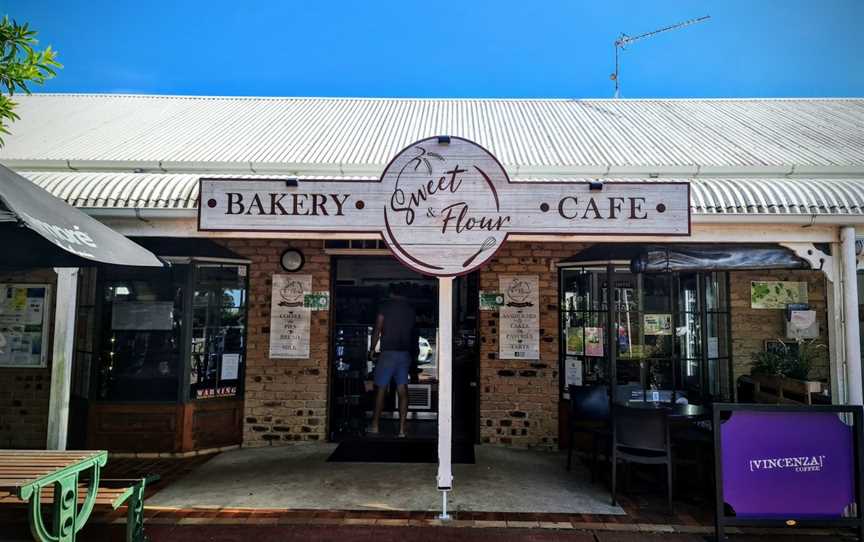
(691,257)
(41,230)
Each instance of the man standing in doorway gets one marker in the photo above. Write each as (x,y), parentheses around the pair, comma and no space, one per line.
(395,327)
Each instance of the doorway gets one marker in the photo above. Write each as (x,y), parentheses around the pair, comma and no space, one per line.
(360,285)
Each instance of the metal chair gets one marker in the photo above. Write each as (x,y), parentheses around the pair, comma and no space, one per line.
(641,435)
(588,404)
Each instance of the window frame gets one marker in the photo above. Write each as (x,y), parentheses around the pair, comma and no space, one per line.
(702,276)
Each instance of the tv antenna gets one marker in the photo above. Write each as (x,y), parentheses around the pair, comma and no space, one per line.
(624,40)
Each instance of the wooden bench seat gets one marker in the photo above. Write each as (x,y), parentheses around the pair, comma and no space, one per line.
(30,478)
(106,496)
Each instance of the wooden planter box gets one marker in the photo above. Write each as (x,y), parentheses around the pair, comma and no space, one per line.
(778,389)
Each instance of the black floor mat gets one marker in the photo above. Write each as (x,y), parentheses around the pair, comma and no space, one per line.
(384,450)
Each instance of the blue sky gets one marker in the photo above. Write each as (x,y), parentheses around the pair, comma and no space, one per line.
(451,48)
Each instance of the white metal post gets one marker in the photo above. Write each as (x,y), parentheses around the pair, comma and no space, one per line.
(836,334)
(850,314)
(445,389)
(61,359)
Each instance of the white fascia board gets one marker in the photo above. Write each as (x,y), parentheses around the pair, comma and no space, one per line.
(744,171)
(652,171)
(728,218)
(833,171)
(143,166)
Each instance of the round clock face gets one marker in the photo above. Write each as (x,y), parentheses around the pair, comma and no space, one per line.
(292,260)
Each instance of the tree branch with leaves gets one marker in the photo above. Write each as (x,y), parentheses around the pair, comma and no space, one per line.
(21,65)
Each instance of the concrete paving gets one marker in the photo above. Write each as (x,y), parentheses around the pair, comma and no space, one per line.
(299,477)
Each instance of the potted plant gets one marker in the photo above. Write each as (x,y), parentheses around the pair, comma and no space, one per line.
(781,375)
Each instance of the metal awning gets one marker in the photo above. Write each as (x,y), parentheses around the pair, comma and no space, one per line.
(39,229)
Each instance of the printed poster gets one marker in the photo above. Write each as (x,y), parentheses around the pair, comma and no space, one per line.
(230,367)
(575,341)
(520,317)
(573,372)
(777,294)
(657,324)
(594,342)
(23,324)
(290,321)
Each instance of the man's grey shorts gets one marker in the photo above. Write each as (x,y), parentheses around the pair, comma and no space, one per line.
(392,364)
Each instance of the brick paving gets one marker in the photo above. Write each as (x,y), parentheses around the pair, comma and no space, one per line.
(647,519)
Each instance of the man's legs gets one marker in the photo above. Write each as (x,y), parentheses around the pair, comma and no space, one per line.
(403,409)
(379,407)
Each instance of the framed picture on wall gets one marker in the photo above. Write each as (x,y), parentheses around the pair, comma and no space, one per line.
(778,345)
(24,312)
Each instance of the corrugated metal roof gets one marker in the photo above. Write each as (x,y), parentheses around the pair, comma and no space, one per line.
(708,196)
(530,137)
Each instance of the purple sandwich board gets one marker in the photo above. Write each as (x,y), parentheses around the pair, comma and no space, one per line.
(787,465)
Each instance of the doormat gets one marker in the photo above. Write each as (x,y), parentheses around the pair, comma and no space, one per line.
(378,450)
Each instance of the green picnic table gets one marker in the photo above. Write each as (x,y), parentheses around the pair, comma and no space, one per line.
(40,477)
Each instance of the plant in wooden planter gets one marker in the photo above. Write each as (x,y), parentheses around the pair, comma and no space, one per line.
(781,375)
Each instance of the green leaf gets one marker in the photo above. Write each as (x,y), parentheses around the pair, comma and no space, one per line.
(21,64)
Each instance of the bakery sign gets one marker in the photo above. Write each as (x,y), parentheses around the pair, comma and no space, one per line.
(444,205)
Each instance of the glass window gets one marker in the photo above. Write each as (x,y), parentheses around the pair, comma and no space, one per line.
(658,326)
(141,346)
(583,326)
(218,330)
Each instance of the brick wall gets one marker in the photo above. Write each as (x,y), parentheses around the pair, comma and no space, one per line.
(285,399)
(24,393)
(519,399)
(751,327)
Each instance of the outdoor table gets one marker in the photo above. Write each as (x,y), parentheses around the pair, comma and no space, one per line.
(677,412)
(29,476)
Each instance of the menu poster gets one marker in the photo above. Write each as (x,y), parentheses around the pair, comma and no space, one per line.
(575,341)
(594,342)
(23,324)
(520,317)
(290,321)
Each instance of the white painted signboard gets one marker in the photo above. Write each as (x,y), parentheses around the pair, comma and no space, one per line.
(289,319)
(445,205)
(519,317)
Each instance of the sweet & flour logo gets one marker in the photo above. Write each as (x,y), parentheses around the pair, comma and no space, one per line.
(444,198)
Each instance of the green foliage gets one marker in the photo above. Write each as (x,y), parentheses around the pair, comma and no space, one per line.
(21,64)
(787,361)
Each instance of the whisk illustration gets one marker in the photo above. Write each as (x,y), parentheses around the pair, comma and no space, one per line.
(488,243)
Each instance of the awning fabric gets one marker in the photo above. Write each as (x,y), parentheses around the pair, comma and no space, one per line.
(658,258)
(690,257)
(33,224)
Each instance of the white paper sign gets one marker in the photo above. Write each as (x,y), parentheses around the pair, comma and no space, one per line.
(230,367)
(519,327)
(445,205)
(573,374)
(289,320)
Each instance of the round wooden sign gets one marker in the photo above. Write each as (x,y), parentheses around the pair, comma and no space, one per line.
(442,210)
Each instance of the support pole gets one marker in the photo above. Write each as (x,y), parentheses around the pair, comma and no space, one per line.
(445,389)
(61,359)
(850,315)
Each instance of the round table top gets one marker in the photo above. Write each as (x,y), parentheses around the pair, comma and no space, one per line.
(675,410)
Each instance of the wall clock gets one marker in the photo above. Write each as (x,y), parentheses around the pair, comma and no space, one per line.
(292,260)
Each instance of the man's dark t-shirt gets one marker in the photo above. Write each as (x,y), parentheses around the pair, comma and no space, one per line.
(399,322)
